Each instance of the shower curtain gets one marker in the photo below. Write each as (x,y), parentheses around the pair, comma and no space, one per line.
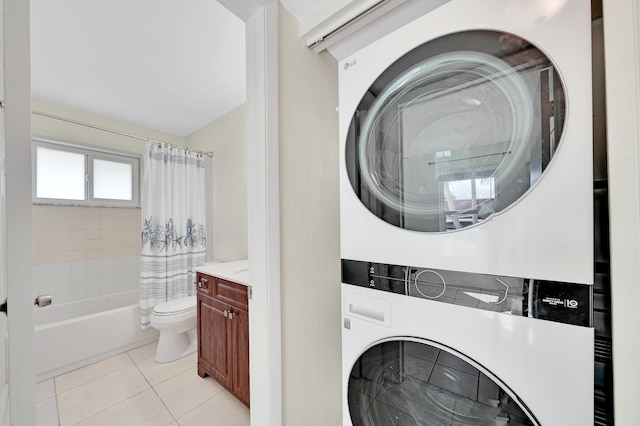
(173,224)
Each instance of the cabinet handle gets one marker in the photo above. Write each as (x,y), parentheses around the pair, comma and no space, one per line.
(231,315)
(226,314)
(202,282)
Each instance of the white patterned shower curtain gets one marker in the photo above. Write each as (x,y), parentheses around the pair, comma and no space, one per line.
(173,224)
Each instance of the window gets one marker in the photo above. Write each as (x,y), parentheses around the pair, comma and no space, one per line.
(468,201)
(69,174)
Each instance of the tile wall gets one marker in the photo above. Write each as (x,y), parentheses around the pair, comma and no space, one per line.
(81,252)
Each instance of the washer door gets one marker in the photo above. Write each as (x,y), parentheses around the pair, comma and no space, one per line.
(415,382)
(456,130)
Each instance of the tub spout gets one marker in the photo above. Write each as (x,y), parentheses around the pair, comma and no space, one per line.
(43,300)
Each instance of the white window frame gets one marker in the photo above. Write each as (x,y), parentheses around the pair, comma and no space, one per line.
(90,153)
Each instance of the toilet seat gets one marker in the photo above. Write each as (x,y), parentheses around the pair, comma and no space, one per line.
(176,306)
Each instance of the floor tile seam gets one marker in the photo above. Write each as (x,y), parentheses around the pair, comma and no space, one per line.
(170,377)
(142,360)
(113,404)
(219,391)
(131,358)
(154,390)
(199,405)
(92,380)
(105,409)
(165,405)
(146,379)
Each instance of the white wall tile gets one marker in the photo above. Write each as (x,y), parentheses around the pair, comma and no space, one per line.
(79,257)
(63,267)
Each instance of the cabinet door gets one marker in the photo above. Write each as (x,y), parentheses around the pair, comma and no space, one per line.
(215,344)
(241,355)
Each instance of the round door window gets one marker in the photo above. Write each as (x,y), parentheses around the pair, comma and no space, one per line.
(456,130)
(415,383)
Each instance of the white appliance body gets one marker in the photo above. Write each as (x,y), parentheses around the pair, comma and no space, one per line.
(547,366)
(548,232)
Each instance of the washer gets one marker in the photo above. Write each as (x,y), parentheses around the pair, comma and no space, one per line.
(409,361)
(466,142)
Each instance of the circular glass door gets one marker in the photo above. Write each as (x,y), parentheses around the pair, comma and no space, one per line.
(405,382)
(456,130)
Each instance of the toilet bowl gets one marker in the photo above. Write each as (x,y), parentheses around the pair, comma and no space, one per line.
(176,320)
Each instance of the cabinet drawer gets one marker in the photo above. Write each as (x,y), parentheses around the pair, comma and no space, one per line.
(233,293)
(227,291)
(204,283)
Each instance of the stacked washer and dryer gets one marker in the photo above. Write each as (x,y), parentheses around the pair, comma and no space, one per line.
(467,218)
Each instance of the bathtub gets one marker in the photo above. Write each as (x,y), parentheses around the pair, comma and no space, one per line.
(74,334)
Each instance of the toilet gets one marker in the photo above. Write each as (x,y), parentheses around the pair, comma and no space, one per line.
(176,320)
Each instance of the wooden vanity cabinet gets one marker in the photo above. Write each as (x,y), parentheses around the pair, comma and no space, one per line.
(223,333)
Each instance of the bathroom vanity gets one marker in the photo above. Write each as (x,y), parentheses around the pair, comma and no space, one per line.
(223,325)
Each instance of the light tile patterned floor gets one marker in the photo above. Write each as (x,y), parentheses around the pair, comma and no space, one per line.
(131,389)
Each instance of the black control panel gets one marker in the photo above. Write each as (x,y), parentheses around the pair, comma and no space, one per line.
(378,276)
(546,300)
(562,302)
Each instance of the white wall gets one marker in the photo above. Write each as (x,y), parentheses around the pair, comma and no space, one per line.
(44,126)
(310,250)
(225,137)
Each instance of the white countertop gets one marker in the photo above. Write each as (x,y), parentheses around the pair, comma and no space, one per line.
(237,271)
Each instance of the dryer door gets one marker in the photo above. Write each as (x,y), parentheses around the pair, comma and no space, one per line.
(456,130)
(416,382)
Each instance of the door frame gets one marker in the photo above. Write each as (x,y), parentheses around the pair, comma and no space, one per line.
(21,357)
(263,204)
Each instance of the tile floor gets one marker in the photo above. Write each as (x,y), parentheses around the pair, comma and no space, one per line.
(131,389)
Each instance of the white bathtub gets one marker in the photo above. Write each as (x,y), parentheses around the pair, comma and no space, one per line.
(74,334)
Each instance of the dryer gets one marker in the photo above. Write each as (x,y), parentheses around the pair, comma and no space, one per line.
(466,142)
(410,361)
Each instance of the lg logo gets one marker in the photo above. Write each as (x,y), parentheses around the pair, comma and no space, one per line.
(349,64)
(571,303)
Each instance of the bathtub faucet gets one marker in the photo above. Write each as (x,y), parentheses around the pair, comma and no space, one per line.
(43,300)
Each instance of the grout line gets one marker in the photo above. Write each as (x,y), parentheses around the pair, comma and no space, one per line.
(55,395)
(165,405)
(202,403)
(152,387)
(176,374)
(100,378)
(110,407)
(169,378)
(88,366)
(132,396)
(159,397)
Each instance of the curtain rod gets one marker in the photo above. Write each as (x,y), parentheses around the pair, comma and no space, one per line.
(117,132)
